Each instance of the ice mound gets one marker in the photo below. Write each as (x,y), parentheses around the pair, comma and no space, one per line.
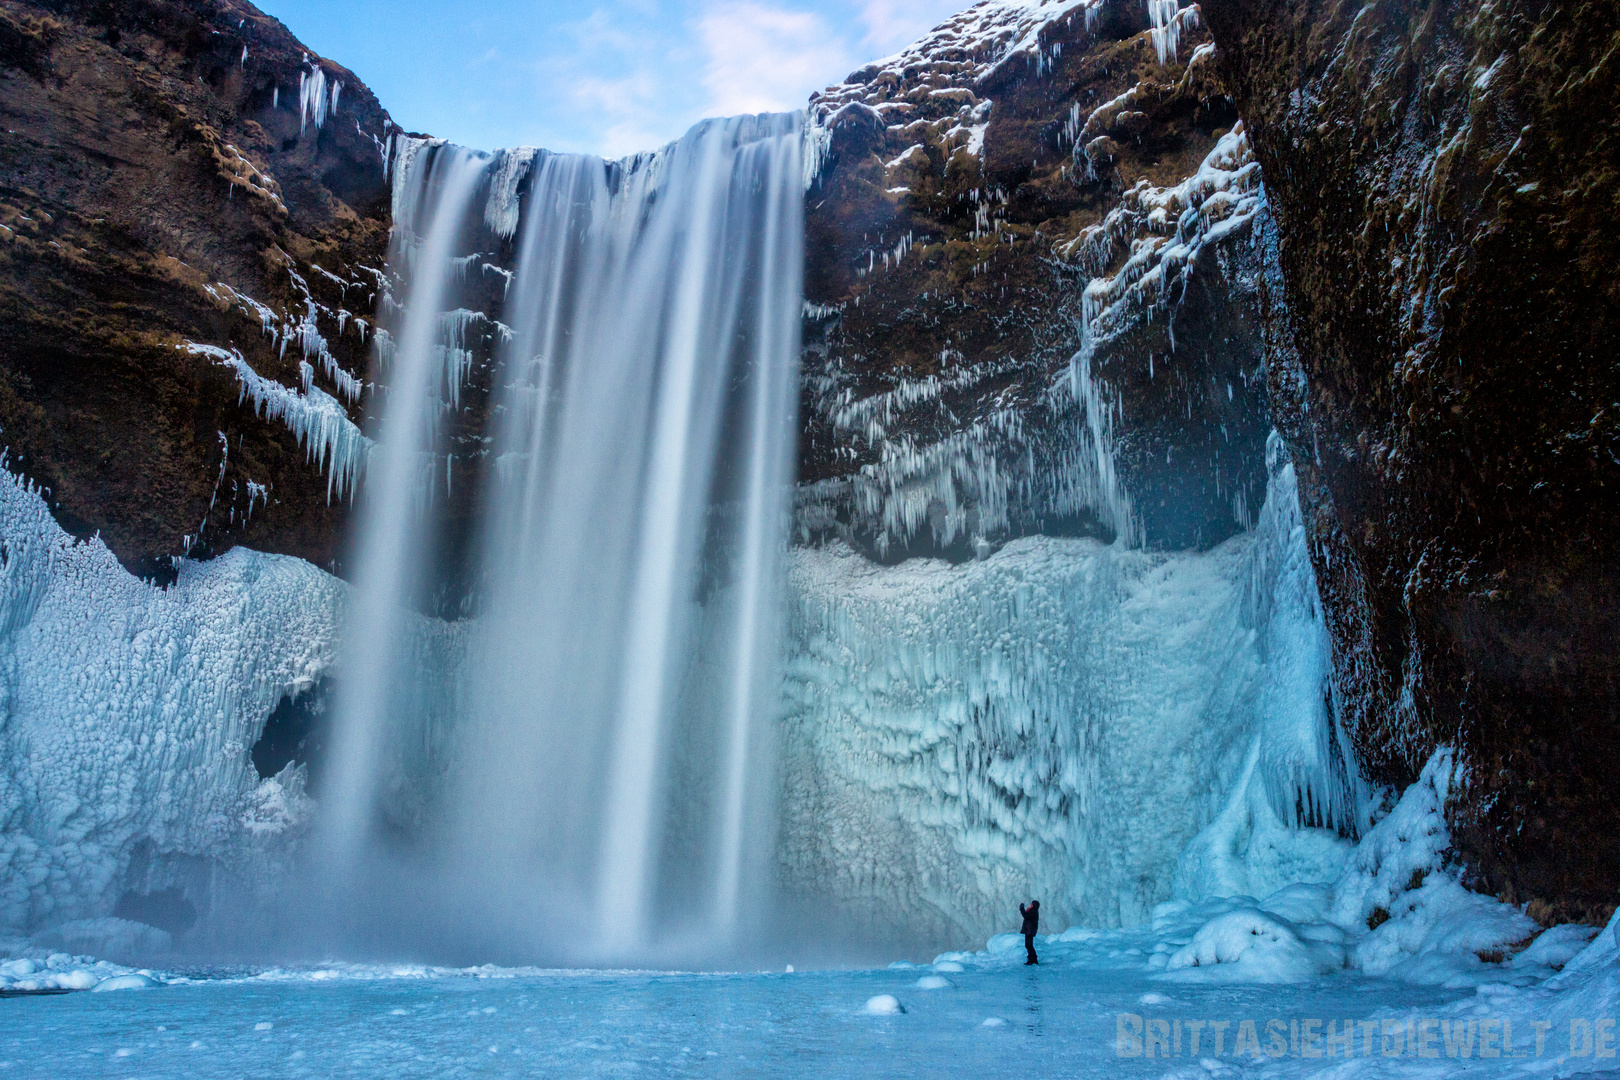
(30,968)
(1397,910)
(1420,923)
(933,982)
(884,1005)
(1555,947)
(1256,947)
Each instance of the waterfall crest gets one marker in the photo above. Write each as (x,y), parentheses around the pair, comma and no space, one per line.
(594,762)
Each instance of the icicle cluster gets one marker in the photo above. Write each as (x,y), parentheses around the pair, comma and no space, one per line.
(314,100)
(329,438)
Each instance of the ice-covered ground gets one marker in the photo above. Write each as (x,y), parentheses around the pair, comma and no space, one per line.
(1092,1009)
(1007,1021)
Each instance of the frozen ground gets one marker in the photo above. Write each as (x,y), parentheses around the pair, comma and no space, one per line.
(1054,1021)
(993,1018)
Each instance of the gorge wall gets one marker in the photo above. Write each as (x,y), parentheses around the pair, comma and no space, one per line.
(1440,344)
(1021,178)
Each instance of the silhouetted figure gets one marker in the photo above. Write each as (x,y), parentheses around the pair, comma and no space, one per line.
(1032,923)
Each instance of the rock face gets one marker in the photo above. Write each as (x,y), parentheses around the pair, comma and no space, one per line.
(1030,293)
(180,172)
(1441,339)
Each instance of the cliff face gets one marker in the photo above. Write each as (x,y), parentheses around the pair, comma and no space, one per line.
(1441,347)
(173,172)
(1030,290)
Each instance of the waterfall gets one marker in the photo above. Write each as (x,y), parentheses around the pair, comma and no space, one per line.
(594,762)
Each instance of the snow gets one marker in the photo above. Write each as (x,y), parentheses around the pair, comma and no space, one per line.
(988,34)
(1255,947)
(961,52)
(1165,230)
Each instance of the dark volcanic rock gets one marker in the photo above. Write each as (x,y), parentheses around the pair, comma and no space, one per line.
(1018,202)
(160,176)
(1445,179)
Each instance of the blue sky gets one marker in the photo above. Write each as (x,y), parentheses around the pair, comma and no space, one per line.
(607,77)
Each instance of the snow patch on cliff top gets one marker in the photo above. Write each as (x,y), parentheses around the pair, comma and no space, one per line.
(985,35)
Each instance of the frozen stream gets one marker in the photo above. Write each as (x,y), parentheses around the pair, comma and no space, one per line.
(1056,1021)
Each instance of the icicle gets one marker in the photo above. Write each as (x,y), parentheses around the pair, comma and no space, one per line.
(329,438)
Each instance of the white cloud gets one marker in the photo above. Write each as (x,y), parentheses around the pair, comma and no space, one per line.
(766,59)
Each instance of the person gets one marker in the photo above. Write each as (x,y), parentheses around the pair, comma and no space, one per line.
(1032,923)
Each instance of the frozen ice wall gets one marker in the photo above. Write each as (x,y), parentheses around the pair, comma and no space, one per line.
(127,713)
(1059,720)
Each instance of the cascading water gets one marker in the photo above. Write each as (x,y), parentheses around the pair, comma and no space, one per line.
(593,760)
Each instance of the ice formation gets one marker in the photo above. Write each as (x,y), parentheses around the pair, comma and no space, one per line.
(314,101)
(1165,230)
(969,46)
(501,212)
(127,712)
(933,477)
(1394,908)
(1169,18)
(35,967)
(329,438)
(1059,719)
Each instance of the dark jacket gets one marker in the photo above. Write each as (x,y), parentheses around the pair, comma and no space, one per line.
(1032,918)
